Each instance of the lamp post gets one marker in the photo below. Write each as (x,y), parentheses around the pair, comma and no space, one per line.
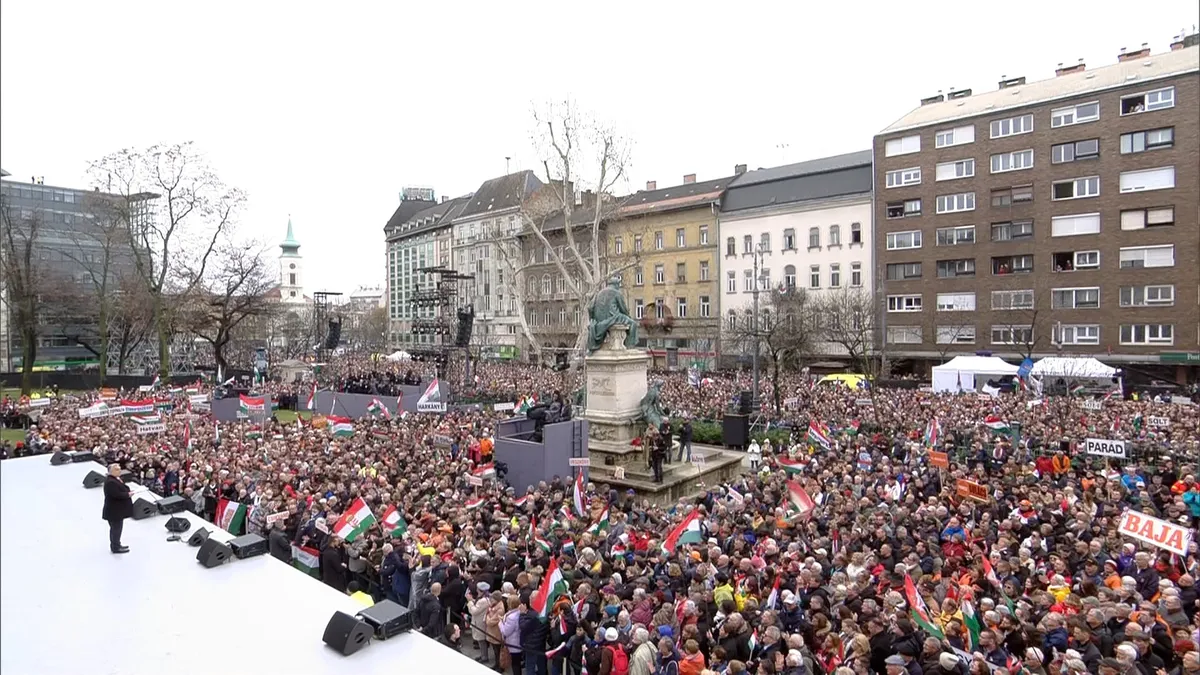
(758,251)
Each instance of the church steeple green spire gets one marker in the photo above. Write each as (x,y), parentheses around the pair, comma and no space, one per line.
(290,246)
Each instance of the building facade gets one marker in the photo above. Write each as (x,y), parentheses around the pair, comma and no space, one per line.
(418,235)
(664,244)
(808,225)
(291,269)
(1051,217)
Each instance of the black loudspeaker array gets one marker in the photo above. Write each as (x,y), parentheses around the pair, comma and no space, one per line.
(736,431)
(346,634)
(334,338)
(745,401)
(144,508)
(94,479)
(466,323)
(213,553)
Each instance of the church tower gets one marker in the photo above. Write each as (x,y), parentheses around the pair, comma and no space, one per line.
(291,269)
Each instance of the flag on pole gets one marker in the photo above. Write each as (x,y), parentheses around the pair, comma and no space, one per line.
(553,585)
(378,408)
(818,434)
(341,426)
(773,597)
(918,610)
(393,522)
(231,516)
(1076,389)
(600,525)
(307,560)
(520,501)
(989,573)
(251,403)
(995,424)
(354,521)
(485,471)
(157,381)
(971,621)
(686,532)
(473,502)
(311,403)
(801,503)
(579,498)
(792,466)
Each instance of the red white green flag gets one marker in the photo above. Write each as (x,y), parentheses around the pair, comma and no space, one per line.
(231,516)
(354,521)
(686,532)
(553,585)
(393,522)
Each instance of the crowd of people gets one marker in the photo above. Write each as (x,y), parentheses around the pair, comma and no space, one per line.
(844,551)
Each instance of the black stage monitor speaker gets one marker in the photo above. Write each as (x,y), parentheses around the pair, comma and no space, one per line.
(198,537)
(128,476)
(387,618)
(745,401)
(94,479)
(178,524)
(172,504)
(143,508)
(346,634)
(736,431)
(213,553)
(82,456)
(59,458)
(248,546)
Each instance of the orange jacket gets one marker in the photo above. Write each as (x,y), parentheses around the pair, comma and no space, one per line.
(1062,464)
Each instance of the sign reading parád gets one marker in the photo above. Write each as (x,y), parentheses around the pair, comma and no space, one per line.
(1106,448)
(431,400)
(1160,533)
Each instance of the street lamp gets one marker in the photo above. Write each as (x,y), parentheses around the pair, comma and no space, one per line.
(754,317)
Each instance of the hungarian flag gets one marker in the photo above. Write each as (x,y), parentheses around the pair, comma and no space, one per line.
(378,408)
(307,560)
(995,424)
(251,403)
(1077,389)
(579,498)
(600,525)
(485,470)
(773,598)
(933,433)
(393,522)
(231,516)
(157,381)
(686,532)
(520,501)
(989,573)
(800,502)
(187,436)
(474,502)
(971,621)
(918,610)
(354,521)
(553,585)
(341,426)
(1112,393)
(568,545)
(792,466)
(147,419)
(312,397)
(818,434)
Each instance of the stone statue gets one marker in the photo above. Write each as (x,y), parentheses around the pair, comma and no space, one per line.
(653,410)
(579,397)
(609,309)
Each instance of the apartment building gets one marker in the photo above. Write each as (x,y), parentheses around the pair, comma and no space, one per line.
(809,224)
(664,241)
(417,235)
(1049,217)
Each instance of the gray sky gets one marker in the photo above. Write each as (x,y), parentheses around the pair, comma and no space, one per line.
(327,114)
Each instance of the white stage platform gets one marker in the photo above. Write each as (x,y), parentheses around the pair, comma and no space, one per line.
(68,605)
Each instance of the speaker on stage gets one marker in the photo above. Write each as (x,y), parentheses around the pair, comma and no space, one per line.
(178,524)
(59,458)
(334,337)
(736,431)
(213,553)
(198,537)
(745,401)
(172,504)
(143,508)
(346,634)
(94,479)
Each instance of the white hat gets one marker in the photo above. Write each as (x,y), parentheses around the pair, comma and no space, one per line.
(611,635)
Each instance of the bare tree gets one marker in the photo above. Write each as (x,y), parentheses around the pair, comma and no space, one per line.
(946,337)
(232,291)
(1024,330)
(366,329)
(22,273)
(175,208)
(786,331)
(131,323)
(850,321)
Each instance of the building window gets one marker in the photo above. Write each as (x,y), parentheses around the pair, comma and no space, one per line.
(618,245)
(681,308)
(904,303)
(1142,141)
(747,280)
(1076,334)
(1162,295)
(902,146)
(956,302)
(1147,256)
(960,334)
(730,246)
(731,282)
(1012,264)
(1012,335)
(660,275)
(292,294)
(547,284)
(902,177)
(904,209)
(950,269)
(747,245)
(1012,161)
(1075,298)
(1075,114)
(1022,124)
(639,308)
(897,241)
(1162,178)
(1076,188)
(1012,195)
(963,201)
(638,279)
(703,270)
(658,241)
(1022,299)
(1158,99)
(1075,152)
(904,335)
(903,271)
(955,136)
(855,274)
(1069,226)
(731,320)
(637,243)
(789,239)
(1148,334)
(1137,219)
(764,279)
(814,276)
(1017,229)
(562,316)
(704,235)
(291,279)
(856,230)
(764,242)
(963,168)
(789,276)
(1070,261)
(705,307)
(680,237)
(660,308)
(680,273)
(955,236)
(835,275)
(835,235)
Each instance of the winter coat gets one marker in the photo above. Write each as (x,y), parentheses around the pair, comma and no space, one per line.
(534,632)
(495,615)
(429,616)
(479,611)
(510,628)
(395,569)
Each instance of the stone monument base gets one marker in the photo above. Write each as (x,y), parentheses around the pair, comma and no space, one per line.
(624,467)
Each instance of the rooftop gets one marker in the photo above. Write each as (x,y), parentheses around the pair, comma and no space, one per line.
(806,168)
(685,195)
(1127,73)
(498,194)
(429,217)
(289,243)
(839,176)
(407,209)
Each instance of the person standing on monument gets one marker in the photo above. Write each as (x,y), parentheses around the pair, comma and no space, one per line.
(658,453)
(118,506)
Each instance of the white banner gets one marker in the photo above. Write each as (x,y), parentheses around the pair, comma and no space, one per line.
(578,461)
(198,399)
(863,402)
(1092,404)
(151,428)
(431,407)
(504,407)
(39,403)
(98,410)
(1160,533)
(279,515)
(1105,448)
(1159,421)
(474,480)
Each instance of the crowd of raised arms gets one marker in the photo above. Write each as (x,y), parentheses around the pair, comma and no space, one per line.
(847,550)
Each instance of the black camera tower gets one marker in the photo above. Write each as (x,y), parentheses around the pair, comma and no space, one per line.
(442,322)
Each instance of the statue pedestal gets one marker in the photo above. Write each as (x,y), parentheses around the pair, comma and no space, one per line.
(616,382)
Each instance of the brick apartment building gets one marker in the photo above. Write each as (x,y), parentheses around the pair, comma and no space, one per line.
(1050,217)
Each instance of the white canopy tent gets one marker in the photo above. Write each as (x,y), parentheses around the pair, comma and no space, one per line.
(1077,367)
(399,355)
(969,373)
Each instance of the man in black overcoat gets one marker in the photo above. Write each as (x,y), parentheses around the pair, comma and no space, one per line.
(118,506)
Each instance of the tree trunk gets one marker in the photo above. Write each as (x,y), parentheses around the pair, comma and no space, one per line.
(28,355)
(102,327)
(775,380)
(164,338)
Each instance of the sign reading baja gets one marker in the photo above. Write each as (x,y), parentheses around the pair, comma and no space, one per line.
(431,400)
(1105,448)
(1168,536)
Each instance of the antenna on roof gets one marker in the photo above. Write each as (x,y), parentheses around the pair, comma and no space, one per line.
(506,159)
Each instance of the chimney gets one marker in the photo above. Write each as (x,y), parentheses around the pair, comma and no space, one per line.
(1142,51)
(1183,41)
(961,93)
(1006,82)
(739,169)
(933,99)
(651,185)
(1077,68)
(689,179)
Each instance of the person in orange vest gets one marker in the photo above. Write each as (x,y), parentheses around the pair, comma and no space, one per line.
(1062,464)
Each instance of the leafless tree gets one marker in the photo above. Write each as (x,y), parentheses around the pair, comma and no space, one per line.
(786,331)
(1024,330)
(850,321)
(366,329)
(23,275)
(946,337)
(174,208)
(233,290)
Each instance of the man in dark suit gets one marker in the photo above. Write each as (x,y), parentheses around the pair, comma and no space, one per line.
(118,506)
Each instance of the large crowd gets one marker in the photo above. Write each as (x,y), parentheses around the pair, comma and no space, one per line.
(846,551)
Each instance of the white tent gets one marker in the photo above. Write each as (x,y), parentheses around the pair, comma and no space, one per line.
(399,355)
(1072,367)
(968,373)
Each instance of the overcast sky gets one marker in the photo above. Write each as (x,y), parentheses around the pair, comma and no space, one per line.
(326,111)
